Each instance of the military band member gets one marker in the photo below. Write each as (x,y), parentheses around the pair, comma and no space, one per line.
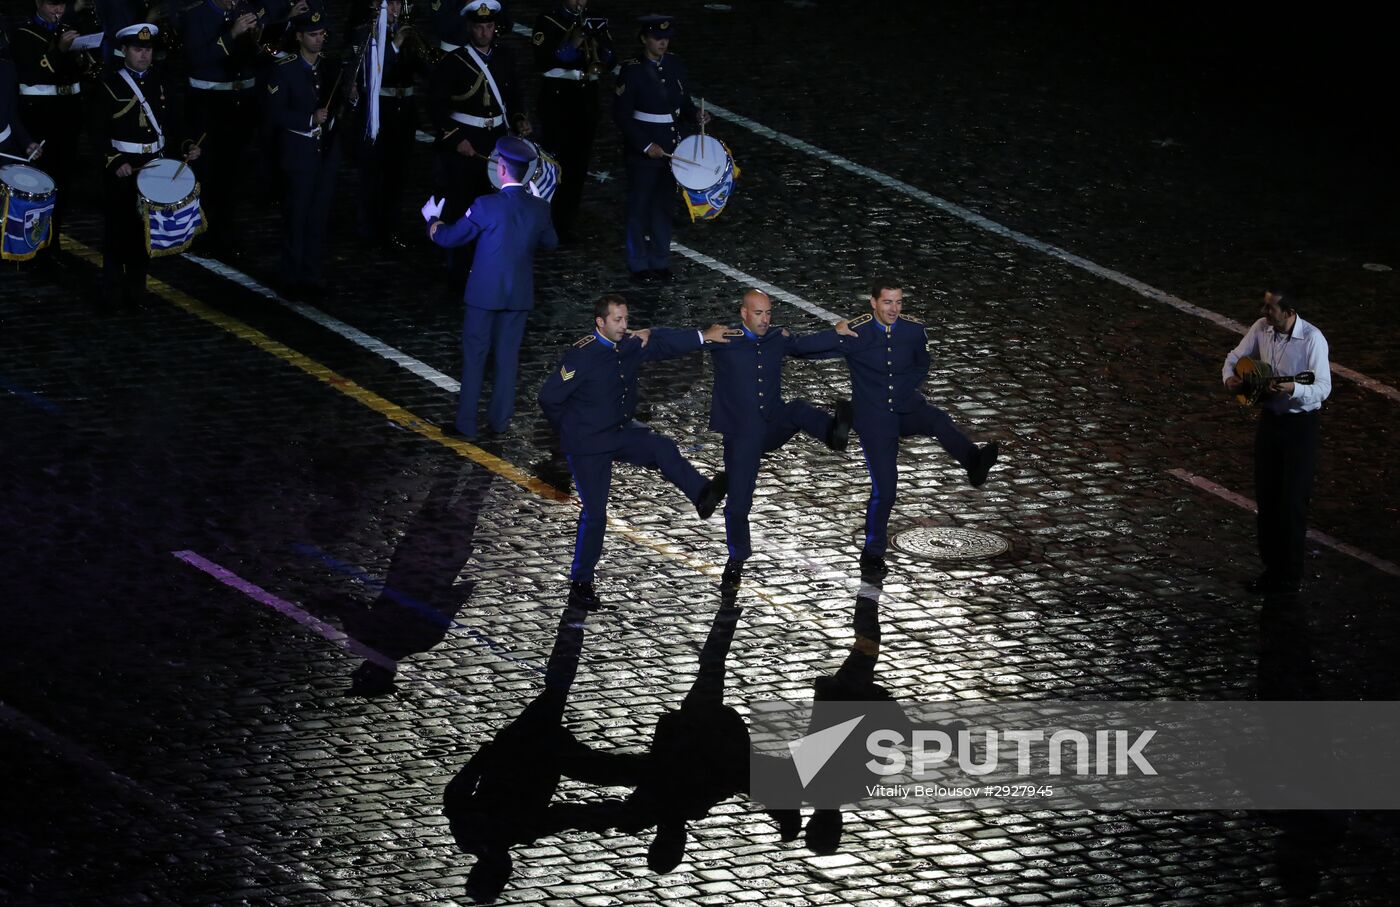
(136,115)
(572,50)
(653,99)
(748,409)
(449,25)
(889,362)
(50,101)
(384,157)
(299,112)
(221,52)
(14,138)
(591,400)
(473,98)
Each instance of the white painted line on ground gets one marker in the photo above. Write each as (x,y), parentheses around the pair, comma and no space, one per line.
(749,280)
(1015,236)
(354,335)
(1321,538)
(78,755)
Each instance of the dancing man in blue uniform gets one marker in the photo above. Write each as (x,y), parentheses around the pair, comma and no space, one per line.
(507,227)
(653,96)
(749,410)
(590,400)
(888,358)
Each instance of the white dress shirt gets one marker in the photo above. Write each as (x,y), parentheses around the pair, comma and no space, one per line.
(1303,349)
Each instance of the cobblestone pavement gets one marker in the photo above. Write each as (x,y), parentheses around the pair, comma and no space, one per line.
(174,738)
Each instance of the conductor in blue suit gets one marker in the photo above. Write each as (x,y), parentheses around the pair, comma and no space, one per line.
(591,400)
(507,227)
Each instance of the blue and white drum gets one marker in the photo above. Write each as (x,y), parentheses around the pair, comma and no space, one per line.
(27,197)
(704,168)
(167,196)
(541,177)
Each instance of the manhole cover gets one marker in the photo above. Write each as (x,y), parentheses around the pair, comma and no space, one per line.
(945,543)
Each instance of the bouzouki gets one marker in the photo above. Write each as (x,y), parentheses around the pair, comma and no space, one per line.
(1257,376)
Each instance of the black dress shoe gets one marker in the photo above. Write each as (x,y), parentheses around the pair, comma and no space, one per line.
(1268,583)
(986,456)
(640,276)
(370,679)
(873,564)
(840,433)
(582,594)
(452,431)
(661,274)
(711,495)
(733,576)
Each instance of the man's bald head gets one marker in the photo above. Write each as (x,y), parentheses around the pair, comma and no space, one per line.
(756,311)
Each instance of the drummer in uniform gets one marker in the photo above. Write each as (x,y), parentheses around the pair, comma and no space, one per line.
(384,158)
(299,113)
(50,101)
(473,96)
(14,138)
(135,113)
(221,51)
(653,97)
(572,49)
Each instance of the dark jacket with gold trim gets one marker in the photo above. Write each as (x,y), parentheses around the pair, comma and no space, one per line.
(124,120)
(456,85)
(212,53)
(38,60)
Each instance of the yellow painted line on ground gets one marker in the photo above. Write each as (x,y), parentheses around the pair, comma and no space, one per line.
(326,375)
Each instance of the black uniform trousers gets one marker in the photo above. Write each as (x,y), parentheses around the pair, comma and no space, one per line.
(569,117)
(125,260)
(651,197)
(382,165)
(57,121)
(229,121)
(1285,459)
(308,193)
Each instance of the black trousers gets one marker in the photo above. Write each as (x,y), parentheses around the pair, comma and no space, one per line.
(569,117)
(57,121)
(382,166)
(1285,459)
(306,209)
(124,257)
(229,121)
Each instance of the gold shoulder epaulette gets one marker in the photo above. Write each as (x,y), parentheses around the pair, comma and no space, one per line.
(585,340)
(734,332)
(910,318)
(288,60)
(630,61)
(857,322)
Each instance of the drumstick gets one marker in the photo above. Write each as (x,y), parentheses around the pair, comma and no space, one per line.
(185,163)
(36,151)
(22,160)
(683,160)
(702,127)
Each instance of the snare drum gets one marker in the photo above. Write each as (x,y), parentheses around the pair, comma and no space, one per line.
(169,207)
(541,177)
(704,168)
(27,196)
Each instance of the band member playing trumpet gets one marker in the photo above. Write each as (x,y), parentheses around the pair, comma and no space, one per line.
(50,101)
(572,50)
(1285,443)
(653,96)
(473,98)
(221,51)
(136,115)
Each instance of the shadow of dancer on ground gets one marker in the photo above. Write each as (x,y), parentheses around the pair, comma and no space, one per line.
(502,797)
(420,597)
(699,757)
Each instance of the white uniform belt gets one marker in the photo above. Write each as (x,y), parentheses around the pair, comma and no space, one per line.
(236,85)
(34,90)
(467,119)
(653,117)
(137,148)
(575,75)
(5,133)
(448,48)
(391,92)
(310,134)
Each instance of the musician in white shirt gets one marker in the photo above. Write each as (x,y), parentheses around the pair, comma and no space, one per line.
(1286,442)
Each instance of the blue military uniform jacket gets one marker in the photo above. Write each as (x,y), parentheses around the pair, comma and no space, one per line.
(654,90)
(888,368)
(748,387)
(592,396)
(507,226)
(212,54)
(294,96)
